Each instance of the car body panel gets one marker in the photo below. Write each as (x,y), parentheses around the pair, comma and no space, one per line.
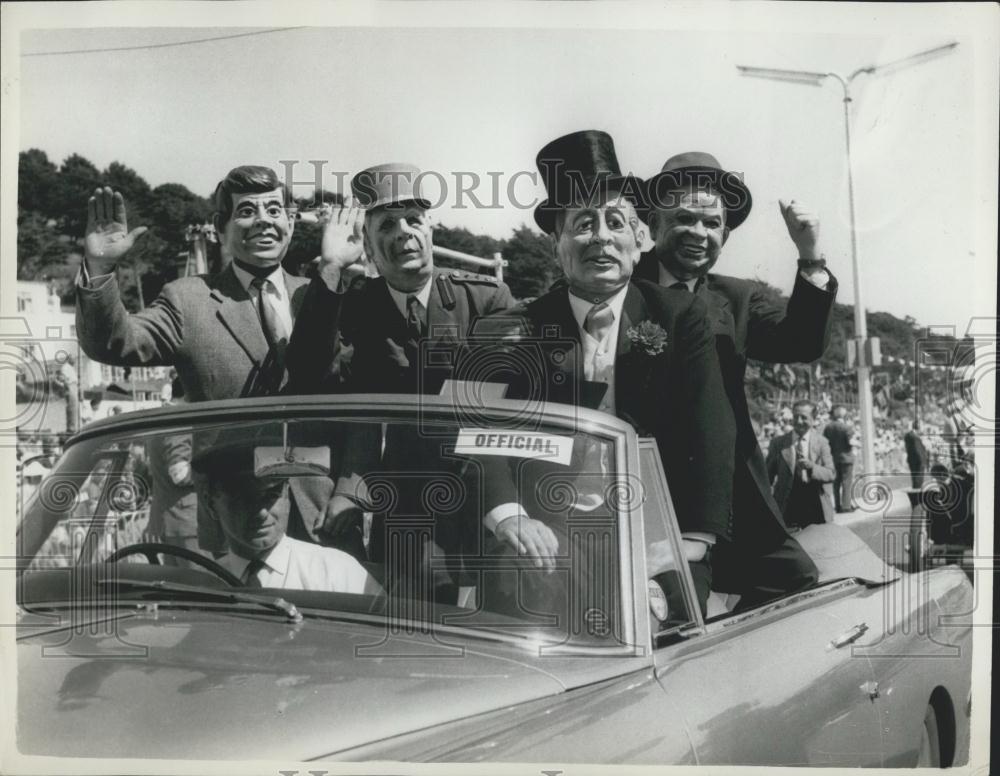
(198,679)
(771,691)
(248,684)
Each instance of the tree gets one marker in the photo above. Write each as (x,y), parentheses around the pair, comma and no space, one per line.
(531,267)
(36,181)
(461,239)
(43,253)
(75,184)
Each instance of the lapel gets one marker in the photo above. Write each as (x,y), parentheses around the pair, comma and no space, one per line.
(815,446)
(443,323)
(788,453)
(384,310)
(295,287)
(633,370)
(552,317)
(718,306)
(235,310)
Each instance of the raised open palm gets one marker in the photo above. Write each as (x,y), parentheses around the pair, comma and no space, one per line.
(107,238)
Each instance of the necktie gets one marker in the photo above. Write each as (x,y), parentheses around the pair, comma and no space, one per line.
(414,328)
(598,321)
(802,454)
(680,285)
(274,333)
(250,573)
(414,317)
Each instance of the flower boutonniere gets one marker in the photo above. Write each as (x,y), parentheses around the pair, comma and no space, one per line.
(648,338)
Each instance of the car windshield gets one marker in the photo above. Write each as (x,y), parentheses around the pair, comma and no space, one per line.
(393,514)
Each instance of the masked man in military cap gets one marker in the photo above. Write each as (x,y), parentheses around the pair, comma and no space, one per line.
(643,353)
(378,335)
(693,205)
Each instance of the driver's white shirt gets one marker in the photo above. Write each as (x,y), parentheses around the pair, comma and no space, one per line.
(299,565)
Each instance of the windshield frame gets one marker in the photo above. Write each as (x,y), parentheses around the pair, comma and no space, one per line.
(435,410)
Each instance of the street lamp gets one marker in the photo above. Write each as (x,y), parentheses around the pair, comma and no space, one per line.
(810,78)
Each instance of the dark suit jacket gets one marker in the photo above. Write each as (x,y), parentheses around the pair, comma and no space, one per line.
(781,469)
(206,326)
(747,326)
(354,341)
(916,452)
(677,396)
(173,510)
(838,434)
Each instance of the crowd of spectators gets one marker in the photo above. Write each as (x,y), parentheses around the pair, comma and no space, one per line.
(890,455)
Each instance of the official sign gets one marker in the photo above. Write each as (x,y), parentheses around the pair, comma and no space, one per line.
(514,444)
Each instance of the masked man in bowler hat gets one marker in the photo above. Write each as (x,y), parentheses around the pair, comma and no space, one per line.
(693,205)
(672,392)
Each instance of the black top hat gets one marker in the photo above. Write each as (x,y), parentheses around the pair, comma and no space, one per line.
(575,168)
(701,168)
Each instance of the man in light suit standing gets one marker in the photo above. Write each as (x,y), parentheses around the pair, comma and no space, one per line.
(801,468)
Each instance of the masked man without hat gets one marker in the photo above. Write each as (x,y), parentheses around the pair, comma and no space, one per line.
(225,333)
(379,335)
(694,204)
(672,392)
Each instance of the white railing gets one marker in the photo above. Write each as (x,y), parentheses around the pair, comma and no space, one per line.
(496,264)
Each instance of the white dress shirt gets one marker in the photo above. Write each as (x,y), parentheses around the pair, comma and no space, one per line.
(299,565)
(599,357)
(400,297)
(276,294)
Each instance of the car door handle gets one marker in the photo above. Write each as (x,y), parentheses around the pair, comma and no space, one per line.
(849,636)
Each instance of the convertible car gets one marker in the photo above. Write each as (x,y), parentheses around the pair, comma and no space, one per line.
(420,637)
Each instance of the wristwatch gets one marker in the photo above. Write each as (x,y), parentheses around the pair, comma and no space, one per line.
(813,264)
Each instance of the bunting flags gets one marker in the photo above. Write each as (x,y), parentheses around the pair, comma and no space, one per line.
(910,364)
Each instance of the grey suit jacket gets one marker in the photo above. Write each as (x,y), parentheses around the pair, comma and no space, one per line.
(781,468)
(206,326)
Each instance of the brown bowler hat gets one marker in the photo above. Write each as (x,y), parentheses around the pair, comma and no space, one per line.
(699,167)
(581,163)
(388,184)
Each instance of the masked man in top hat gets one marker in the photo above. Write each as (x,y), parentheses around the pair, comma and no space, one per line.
(693,204)
(378,335)
(670,389)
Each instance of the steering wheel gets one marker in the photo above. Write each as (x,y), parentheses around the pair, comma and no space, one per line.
(152,549)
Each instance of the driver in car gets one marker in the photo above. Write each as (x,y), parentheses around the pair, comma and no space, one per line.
(252,512)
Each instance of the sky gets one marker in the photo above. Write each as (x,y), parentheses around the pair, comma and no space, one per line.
(481,94)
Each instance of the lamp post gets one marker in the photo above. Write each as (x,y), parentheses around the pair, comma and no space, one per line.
(810,78)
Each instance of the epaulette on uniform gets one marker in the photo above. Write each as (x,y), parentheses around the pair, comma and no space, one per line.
(464,276)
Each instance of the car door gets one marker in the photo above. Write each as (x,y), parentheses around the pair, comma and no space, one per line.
(778,685)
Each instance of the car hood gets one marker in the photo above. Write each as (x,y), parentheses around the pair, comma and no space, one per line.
(207,685)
